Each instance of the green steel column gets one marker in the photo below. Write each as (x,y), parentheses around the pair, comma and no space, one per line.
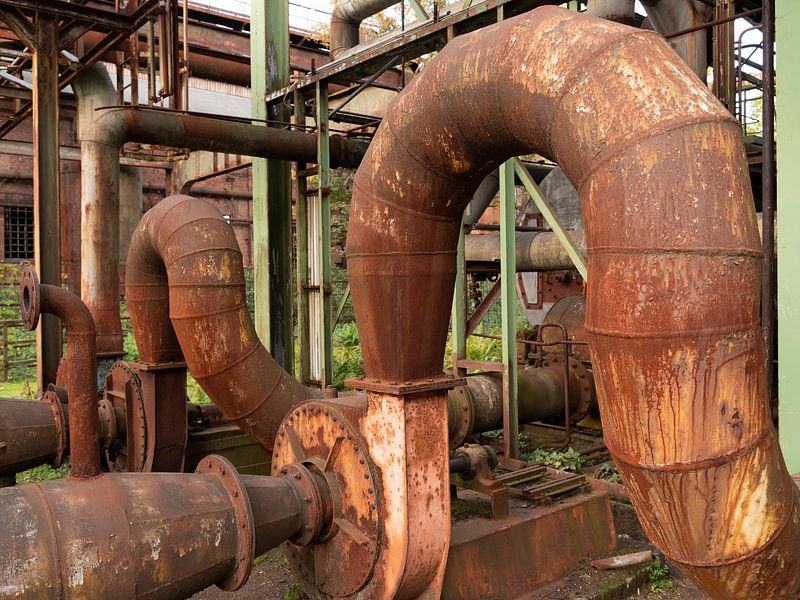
(272,203)
(459,317)
(508,303)
(787,24)
(301,229)
(323,231)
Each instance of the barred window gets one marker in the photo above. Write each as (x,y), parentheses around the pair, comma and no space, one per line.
(18,232)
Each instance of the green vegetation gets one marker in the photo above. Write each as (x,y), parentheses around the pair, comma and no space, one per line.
(295,592)
(347,360)
(567,459)
(608,472)
(658,577)
(42,473)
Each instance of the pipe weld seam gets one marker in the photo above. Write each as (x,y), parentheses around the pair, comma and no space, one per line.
(164,243)
(198,285)
(281,375)
(765,435)
(202,250)
(213,313)
(426,166)
(606,155)
(701,251)
(182,199)
(724,562)
(402,253)
(230,365)
(406,210)
(618,333)
(51,526)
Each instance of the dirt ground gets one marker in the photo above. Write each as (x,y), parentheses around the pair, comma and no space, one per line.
(271,579)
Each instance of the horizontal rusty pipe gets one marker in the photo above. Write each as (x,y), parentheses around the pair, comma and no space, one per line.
(535,251)
(144,535)
(346,20)
(186,297)
(81,365)
(101,143)
(33,434)
(540,396)
(674,257)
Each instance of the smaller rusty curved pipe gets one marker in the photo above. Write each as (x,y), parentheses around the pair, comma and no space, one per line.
(186,296)
(84,437)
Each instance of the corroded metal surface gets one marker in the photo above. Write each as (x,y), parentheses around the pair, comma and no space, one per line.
(186,296)
(321,436)
(30,432)
(117,536)
(674,292)
(81,365)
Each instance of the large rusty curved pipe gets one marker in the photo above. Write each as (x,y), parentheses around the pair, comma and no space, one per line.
(674,257)
(186,297)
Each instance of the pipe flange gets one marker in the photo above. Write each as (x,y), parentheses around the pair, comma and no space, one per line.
(323,436)
(580,382)
(108,424)
(226,473)
(127,451)
(313,509)
(30,298)
(51,397)
(464,415)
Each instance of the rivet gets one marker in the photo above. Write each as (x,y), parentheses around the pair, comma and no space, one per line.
(366,475)
(307,499)
(308,528)
(283,471)
(372,507)
(296,475)
(361,461)
(210,464)
(235,494)
(370,491)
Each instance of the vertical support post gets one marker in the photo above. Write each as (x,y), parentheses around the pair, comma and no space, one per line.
(508,303)
(47,247)
(322,229)
(768,194)
(272,204)
(301,229)
(722,38)
(459,317)
(787,23)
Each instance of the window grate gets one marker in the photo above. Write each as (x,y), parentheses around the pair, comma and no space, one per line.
(18,242)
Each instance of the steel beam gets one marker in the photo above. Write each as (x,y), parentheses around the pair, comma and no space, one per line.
(301,229)
(47,233)
(787,23)
(321,275)
(550,216)
(108,19)
(508,303)
(459,316)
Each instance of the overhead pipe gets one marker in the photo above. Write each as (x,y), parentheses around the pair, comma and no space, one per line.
(677,15)
(100,185)
(674,257)
(346,22)
(186,297)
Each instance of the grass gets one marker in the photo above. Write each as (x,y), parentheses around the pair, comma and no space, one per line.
(42,473)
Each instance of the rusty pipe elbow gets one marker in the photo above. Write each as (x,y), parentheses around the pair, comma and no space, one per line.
(84,437)
(186,296)
(674,262)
